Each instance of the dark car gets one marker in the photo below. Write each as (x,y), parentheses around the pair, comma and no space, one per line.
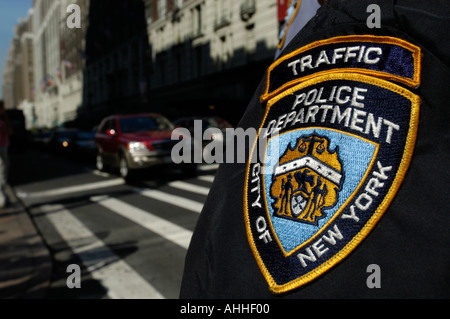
(41,139)
(83,145)
(206,123)
(60,140)
(199,124)
(133,142)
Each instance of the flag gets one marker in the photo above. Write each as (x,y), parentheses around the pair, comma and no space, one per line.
(68,64)
(49,80)
(283,6)
(43,84)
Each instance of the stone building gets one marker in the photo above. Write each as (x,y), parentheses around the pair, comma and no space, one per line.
(207,56)
(19,71)
(175,57)
(46,23)
(59,60)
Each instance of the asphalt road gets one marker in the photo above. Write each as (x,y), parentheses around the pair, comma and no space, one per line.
(129,240)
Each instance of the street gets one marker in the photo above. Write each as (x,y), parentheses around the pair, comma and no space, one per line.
(128,239)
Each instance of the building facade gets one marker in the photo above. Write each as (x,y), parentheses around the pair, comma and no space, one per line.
(19,69)
(59,60)
(175,57)
(117,61)
(46,24)
(207,56)
(72,58)
(8,79)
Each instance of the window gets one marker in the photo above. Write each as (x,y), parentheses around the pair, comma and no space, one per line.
(178,3)
(108,125)
(162,8)
(197,20)
(223,9)
(222,13)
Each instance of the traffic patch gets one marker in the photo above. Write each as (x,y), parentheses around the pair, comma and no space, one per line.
(337,149)
(382,56)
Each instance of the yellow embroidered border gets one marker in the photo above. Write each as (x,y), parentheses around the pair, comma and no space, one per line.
(280,45)
(399,177)
(417,56)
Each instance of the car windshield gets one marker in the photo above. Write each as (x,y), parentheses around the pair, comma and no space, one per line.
(86,135)
(144,124)
(65,134)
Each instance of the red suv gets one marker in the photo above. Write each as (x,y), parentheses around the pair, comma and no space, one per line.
(134,141)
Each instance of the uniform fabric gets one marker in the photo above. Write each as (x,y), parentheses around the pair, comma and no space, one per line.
(411,242)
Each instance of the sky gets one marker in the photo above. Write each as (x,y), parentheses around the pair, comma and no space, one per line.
(10,13)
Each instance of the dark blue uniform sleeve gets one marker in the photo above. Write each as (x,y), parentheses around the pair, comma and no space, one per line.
(409,139)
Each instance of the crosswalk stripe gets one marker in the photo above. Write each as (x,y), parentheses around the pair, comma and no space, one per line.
(73,189)
(172,232)
(189,187)
(208,167)
(120,280)
(206,178)
(114,182)
(179,201)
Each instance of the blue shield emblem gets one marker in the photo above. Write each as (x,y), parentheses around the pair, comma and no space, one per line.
(314,189)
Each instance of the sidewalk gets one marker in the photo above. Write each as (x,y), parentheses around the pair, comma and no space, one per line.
(25,262)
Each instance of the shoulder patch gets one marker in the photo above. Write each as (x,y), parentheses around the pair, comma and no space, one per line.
(382,56)
(334,152)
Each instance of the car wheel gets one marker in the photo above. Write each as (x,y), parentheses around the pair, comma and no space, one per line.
(100,163)
(124,169)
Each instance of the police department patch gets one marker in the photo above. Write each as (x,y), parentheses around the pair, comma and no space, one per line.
(337,148)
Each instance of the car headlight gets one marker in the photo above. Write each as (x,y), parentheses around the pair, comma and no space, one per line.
(217,137)
(136,146)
